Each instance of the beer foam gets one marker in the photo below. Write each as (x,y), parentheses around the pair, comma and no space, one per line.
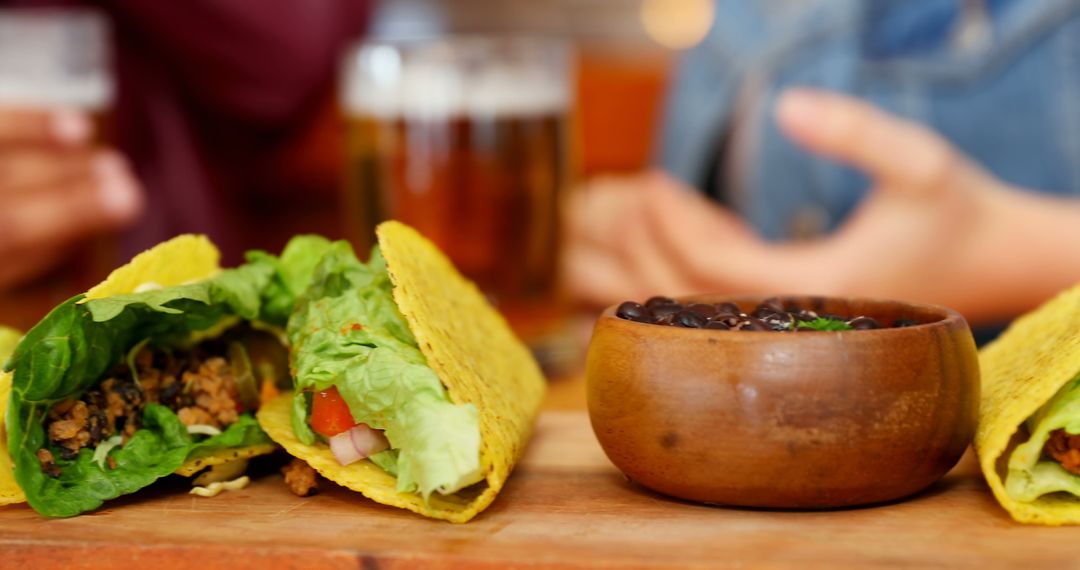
(55,57)
(377,83)
(91,94)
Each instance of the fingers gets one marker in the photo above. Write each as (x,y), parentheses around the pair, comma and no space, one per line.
(899,154)
(23,168)
(44,126)
(639,236)
(611,255)
(65,210)
(596,277)
(716,250)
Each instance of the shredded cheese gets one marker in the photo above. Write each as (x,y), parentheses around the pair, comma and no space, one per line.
(203,429)
(214,489)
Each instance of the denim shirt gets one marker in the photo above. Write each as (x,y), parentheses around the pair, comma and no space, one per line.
(1002,83)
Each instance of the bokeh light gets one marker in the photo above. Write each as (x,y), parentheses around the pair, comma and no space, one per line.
(677,24)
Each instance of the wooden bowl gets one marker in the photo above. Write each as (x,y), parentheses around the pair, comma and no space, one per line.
(786,420)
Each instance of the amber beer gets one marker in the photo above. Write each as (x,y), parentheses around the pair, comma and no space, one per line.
(477,164)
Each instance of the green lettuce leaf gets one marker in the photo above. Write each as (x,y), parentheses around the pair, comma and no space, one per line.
(347,332)
(292,275)
(156,450)
(824,324)
(244,433)
(73,347)
(1029,475)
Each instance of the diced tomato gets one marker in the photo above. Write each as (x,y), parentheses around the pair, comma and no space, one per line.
(330,414)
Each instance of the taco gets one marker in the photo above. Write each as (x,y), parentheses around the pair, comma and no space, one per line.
(157,370)
(409,387)
(1028,440)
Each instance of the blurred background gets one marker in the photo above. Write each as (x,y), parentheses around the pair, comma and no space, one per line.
(566,154)
(224,147)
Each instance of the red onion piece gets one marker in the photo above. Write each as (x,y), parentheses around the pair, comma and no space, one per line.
(368,441)
(357,443)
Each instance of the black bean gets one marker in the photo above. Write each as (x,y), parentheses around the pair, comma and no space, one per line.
(773,304)
(660,301)
(171,395)
(780,321)
(706,310)
(763,312)
(689,319)
(721,325)
(730,308)
(805,315)
(863,323)
(905,323)
(634,312)
(666,310)
(753,324)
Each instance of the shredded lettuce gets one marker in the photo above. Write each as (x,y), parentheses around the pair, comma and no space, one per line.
(1030,476)
(292,275)
(102,451)
(347,332)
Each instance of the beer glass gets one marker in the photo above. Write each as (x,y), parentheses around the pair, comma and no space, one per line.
(57,58)
(465,139)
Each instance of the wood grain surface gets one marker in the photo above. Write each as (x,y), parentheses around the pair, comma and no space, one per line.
(564,507)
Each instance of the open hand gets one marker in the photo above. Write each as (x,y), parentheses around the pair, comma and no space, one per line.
(934,228)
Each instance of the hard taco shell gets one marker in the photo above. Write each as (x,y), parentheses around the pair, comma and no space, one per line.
(476,356)
(183,259)
(1021,370)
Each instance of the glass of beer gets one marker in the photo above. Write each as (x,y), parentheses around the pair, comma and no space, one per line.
(465,139)
(57,58)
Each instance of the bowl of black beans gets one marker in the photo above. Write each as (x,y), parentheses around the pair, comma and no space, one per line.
(771,314)
(782,402)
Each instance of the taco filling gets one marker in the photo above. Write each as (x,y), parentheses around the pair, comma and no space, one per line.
(1049,461)
(209,387)
(364,389)
(156,371)
(409,387)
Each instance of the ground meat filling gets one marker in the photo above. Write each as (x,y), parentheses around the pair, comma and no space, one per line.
(300,478)
(199,387)
(48,463)
(1065,449)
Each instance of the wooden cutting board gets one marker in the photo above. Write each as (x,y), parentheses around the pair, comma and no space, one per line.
(564,507)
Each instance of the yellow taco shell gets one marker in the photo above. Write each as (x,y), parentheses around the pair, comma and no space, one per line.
(478,359)
(1022,370)
(9,490)
(183,259)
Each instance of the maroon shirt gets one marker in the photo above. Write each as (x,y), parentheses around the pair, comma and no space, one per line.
(213,96)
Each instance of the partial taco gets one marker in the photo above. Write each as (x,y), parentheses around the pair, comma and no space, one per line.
(157,370)
(1028,438)
(409,387)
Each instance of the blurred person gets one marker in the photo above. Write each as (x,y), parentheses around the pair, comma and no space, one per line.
(936,159)
(217,101)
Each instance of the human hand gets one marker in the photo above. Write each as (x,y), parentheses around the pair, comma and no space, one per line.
(934,228)
(631,237)
(55,189)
